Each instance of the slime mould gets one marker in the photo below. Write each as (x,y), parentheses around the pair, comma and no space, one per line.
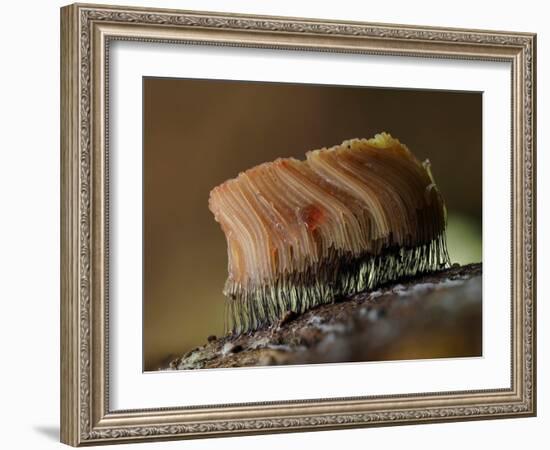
(346,219)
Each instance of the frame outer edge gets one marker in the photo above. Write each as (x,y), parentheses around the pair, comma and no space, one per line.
(533,230)
(535,161)
(70,299)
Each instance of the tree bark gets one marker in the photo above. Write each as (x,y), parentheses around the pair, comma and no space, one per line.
(430,316)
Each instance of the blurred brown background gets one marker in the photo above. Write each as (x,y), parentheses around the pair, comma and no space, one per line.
(198,133)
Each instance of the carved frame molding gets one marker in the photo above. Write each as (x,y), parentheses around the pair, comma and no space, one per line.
(86,31)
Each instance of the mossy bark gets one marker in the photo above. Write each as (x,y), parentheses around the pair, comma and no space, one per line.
(430,316)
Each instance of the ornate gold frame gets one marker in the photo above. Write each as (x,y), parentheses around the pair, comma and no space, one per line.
(86,31)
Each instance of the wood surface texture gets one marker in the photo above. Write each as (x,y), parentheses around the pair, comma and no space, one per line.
(430,316)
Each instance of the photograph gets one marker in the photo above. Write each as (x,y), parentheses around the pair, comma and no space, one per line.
(291,223)
(277,223)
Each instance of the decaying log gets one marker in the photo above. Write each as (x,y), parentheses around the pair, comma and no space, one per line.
(431,316)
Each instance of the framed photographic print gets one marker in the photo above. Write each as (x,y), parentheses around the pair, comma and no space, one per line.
(275,224)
